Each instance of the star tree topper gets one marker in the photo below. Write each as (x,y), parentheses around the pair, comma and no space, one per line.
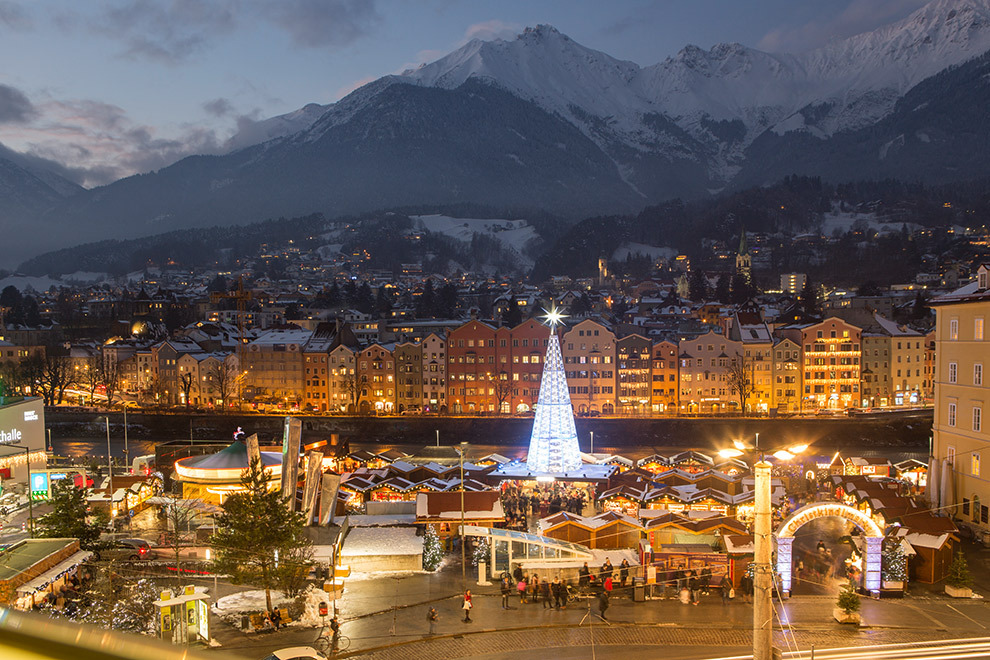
(554,317)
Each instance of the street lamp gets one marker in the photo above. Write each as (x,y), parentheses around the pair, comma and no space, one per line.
(27,463)
(460,453)
(762,546)
(106,418)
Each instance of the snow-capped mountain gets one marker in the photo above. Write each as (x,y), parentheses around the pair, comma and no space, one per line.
(542,122)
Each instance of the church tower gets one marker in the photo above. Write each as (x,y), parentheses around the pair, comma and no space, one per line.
(744,262)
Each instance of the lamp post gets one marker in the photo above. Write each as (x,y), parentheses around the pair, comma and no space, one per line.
(27,463)
(109,463)
(762,546)
(460,453)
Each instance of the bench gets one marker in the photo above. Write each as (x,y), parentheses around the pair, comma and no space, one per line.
(260,621)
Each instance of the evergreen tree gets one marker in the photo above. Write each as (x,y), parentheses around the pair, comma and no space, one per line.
(256,534)
(581,306)
(448,301)
(365,301)
(740,290)
(432,550)
(848,599)
(698,286)
(958,575)
(722,288)
(893,567)
(383,302)
(426,306)
(485,301)
(68,517)
(809,299)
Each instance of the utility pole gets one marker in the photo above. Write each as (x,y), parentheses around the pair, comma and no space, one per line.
(463,551)
(762,569)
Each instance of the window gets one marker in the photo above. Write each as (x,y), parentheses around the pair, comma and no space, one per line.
(951,421)
(974,464)
(977,418)
(953,372)
(953,329)
(977,374)
(950,454)
(978,328)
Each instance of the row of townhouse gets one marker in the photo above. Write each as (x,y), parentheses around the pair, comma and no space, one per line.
(480,368)
(744,365)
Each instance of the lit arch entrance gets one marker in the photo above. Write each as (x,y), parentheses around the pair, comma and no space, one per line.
(871,530)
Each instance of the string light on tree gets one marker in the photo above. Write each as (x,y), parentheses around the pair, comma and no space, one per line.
(553,445)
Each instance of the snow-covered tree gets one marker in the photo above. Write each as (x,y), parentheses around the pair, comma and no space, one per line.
(432,550)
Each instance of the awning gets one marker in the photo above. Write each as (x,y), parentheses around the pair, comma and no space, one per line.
(52,573)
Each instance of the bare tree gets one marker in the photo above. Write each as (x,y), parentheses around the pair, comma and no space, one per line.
(740,378)
(186,379)
(179,515)
(224,375)
(51,375)
(110,376)
(503,388)
(89,377)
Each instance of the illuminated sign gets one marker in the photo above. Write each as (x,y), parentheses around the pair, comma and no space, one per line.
(7,437)
(30,416)
(39,482)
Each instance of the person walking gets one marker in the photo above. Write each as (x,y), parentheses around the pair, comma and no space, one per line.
(558,589)
(584,576)
(545,593)
(606,571)
(467,606)
(432,616)
(746,585)
(726,587)
(534,588)
(623,573)
(695,584)
(506,589)
(607,584)
(522,590)
(603,604)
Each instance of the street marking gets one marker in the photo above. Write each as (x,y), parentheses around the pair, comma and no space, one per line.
(967,617)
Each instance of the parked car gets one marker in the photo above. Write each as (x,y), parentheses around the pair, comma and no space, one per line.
(131,549)
(296,653)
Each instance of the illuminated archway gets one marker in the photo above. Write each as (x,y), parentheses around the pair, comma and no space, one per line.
(871,530)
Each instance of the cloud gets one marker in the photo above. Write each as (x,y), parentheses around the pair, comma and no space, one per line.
(490,30)
(101,142)
(15,107)
(165,32)
(857,17)
(319,23)
(218,107)
(13,15)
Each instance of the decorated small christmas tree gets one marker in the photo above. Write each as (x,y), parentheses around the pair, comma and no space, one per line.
(959,576)
(894,565)
(848,599)
(481,552)
(432,550)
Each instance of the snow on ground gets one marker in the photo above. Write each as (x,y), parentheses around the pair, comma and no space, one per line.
(651,251)
(232,608)
(373,541)
(84,277)
(514,235)
(844,221)
(25,283)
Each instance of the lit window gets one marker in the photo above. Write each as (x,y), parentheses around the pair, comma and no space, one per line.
(974,464)
(978,329)
(953,329)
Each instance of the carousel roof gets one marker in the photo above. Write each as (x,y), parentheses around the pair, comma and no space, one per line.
(227,464)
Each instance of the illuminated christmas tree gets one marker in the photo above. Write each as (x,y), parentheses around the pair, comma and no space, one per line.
(553,446)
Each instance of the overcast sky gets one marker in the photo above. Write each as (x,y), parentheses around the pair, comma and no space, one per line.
(107,88)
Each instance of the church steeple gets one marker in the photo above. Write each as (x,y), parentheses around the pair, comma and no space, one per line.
(744,262)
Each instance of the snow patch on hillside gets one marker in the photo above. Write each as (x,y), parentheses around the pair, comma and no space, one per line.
(513,235)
